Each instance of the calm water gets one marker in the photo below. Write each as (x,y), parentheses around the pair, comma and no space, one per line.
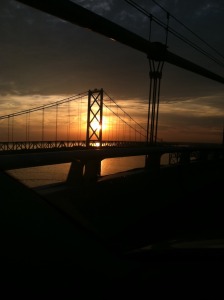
(38,176)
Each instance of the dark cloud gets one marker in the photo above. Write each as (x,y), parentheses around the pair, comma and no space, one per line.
(39,51)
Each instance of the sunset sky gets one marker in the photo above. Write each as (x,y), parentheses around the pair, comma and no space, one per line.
(45,59)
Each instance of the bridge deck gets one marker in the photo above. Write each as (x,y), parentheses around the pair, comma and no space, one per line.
(81,235)
(122,205)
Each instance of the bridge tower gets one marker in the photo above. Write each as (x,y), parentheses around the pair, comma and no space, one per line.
(156,63)
(94,118)
(94,129)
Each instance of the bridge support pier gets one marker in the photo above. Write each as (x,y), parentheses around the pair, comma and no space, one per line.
(203,156)
(81,172)
(152,162)
(185,158)
(92,170)
(75,174)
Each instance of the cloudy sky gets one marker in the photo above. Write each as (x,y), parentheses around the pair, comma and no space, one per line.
(44,59)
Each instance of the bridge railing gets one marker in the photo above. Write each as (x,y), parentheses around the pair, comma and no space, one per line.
(57,145)
(38,145)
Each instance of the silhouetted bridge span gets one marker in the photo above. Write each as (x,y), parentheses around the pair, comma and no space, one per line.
(29,146)
(86,154)
(86,162)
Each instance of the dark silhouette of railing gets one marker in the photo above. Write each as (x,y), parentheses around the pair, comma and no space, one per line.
(30,146)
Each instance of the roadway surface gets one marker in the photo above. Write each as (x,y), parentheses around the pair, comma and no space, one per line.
(73,242)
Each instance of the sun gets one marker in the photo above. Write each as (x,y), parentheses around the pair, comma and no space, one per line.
(96,126)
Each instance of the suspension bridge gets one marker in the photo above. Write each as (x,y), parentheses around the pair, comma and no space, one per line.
(92,119)
(89,119)
(72,129)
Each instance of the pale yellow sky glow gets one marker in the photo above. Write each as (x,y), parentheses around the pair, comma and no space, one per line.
(173,118)
(71,121)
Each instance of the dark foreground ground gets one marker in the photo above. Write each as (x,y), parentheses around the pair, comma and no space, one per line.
(133,236)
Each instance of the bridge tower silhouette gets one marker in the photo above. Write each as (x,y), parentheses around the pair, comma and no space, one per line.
(94,124)
(94,117)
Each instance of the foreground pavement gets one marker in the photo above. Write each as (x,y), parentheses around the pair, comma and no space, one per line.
(129,235)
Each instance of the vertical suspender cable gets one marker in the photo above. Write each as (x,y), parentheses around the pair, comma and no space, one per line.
(56,126)
(8,128)
(43,124)
(12,132)
(68,129)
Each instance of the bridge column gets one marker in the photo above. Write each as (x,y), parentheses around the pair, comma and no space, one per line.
(185,158)
(215,155)
(75,174)
(156,62)
(203,155)
(152,162)
(94,118)
(92,170)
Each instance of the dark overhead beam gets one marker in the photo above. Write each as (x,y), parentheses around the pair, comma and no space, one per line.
(76,14)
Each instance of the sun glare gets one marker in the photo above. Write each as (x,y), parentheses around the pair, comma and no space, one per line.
(96,126)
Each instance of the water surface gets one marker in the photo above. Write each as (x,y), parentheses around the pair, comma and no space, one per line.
(38,176)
